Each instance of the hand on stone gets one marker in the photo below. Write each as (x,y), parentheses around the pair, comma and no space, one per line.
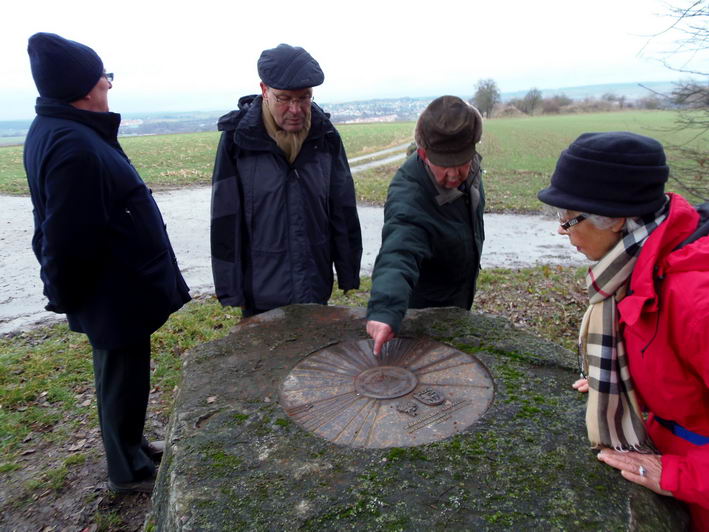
(380,333)
(629,464)
(581,385)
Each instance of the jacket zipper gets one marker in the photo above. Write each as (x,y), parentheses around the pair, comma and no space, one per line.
(657,319)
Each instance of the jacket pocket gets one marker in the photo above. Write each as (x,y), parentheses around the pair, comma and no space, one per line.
(143,230)
(271,279)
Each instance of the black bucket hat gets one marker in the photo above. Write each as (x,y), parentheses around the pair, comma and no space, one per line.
(614,174)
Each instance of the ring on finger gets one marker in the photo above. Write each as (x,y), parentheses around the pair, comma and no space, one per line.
(642,471)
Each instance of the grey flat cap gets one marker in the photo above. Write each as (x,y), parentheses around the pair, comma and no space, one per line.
(289,67)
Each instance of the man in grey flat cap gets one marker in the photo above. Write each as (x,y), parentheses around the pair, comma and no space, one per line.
(433,221)
(283,200)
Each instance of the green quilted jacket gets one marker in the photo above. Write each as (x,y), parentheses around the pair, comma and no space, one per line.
(430,253)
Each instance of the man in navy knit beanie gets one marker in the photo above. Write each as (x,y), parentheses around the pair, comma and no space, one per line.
(104,254)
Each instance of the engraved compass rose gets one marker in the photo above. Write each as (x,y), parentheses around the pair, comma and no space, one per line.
(418,391)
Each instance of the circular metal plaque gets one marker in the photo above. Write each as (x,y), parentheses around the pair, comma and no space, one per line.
(385,382)
(417,391)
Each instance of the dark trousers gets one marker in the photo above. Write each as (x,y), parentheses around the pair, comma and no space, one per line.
(122,379)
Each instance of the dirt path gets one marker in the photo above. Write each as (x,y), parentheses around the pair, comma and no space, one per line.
(399,152)
(399,148)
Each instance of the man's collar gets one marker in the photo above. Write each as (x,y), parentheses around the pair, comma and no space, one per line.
(446,195)
(105,124)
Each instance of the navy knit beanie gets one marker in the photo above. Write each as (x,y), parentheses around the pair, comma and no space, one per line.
(612,174)
(289,67)
(62,69)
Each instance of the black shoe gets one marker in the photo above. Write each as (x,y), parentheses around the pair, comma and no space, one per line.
(155,450)
(142,486)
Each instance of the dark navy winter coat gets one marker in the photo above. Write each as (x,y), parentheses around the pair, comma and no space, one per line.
(104,253)
(277,228)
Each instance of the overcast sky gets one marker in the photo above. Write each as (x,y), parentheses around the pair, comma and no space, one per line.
(201,54)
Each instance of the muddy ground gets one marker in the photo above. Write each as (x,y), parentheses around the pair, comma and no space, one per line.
(84,504)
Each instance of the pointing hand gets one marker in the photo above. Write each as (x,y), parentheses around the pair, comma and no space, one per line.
(380,333)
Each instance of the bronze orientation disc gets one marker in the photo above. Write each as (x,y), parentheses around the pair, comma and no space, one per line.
(418,391)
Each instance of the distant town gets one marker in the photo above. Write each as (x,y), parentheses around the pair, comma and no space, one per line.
(580,99)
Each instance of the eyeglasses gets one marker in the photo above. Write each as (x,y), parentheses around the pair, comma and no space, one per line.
(572,222)
(287,101)
(108,76)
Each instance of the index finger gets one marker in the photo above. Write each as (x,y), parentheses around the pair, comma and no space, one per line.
(379,341)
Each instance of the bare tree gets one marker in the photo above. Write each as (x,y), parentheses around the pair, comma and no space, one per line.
(487,94)
(691,36)
(690,27)
(532,101)
(554,104)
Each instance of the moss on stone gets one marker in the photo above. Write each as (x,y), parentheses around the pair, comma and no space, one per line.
(240,418)
(220,462)
(524,464)
(283,422)
(405,453)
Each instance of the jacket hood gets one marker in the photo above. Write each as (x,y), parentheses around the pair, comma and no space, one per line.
(230,120)
(694,256)
(682,220)
(657,257)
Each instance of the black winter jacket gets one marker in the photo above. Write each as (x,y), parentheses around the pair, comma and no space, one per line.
(105,257)
(277,228)
(430,254)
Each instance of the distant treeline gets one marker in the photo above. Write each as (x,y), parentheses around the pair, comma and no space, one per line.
(163,127)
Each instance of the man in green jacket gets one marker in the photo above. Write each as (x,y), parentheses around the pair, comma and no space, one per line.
(433,222)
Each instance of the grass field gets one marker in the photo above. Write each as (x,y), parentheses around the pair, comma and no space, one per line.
(519,154)
(533,144)
(360,139)
(44,373)
(169,161)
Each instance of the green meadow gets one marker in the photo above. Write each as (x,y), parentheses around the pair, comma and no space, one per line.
(519,153)
(186,159)
(361,139)
(533,144)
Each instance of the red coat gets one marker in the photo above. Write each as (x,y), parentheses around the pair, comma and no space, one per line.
(665,326)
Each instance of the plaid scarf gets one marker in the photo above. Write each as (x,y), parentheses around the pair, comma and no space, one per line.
(612,412)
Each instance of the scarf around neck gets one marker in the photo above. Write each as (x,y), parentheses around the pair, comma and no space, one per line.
(289,143)
(613,417)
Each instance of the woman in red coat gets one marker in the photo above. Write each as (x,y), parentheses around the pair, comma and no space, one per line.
(644,340)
